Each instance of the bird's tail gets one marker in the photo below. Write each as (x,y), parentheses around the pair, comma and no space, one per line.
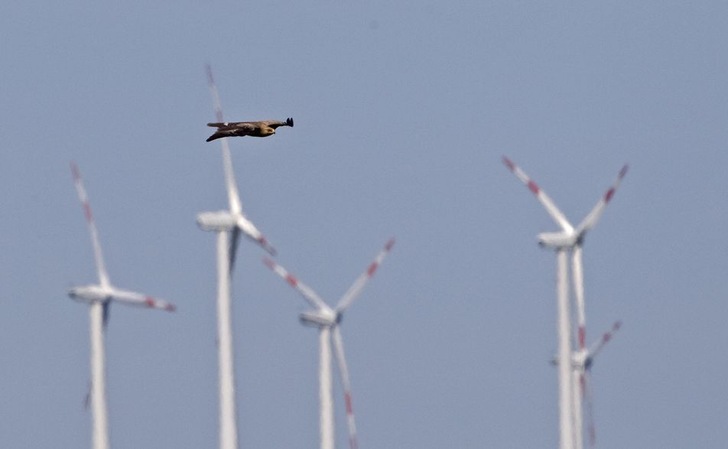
(289,122)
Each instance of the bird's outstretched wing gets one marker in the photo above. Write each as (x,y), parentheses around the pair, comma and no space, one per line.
(271,123)
(232,129)
(276,123)
(221,126)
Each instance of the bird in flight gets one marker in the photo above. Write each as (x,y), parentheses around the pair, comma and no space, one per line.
(255,129)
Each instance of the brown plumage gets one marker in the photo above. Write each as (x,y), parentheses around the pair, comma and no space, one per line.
(255,129)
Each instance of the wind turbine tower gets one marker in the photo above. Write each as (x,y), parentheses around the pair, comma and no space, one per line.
(228,224)
(99,297)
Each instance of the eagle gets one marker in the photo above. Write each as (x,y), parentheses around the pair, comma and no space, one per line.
(256,129)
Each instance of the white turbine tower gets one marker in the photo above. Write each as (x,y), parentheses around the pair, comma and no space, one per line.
(228,224)
(568,239)
(99,297)
(327,320)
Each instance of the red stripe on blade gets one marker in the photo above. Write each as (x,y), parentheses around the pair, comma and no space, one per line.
(372,269)
(608,196)
(533,187)
(291,280)
(87,212)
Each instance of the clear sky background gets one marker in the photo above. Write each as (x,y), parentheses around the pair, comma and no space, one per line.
(403,111)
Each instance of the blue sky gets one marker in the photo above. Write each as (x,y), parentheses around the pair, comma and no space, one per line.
(403,111)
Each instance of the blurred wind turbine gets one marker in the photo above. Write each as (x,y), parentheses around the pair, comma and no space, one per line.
(568,239)
(583,361)
(328,319)
(99,297)
(228,224)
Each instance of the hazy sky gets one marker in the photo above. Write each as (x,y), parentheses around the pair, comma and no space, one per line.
(402,111)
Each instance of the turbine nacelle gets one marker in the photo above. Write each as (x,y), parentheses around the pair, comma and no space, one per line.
(90,293)
(219,221)
(581,360)
(559,240)
(320,318)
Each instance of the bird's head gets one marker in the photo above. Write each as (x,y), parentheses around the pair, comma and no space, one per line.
(267,131)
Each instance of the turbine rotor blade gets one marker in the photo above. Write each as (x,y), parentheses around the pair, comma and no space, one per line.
(106,314)
(236,206)
(232,188)
(87,398)
(577,409)
(599,345)
(141,300)
(345,382)
(578,279)
(358,285)
(215,95)
(83,197)
(593,217)
(248,228)
(589,401)
(306,291)
(233,250)
(263,242)
(542,197)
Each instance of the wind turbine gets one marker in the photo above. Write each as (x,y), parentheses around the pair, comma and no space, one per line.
(583,361)
(570,238)
(99,297)
(228,224)
(327,320)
